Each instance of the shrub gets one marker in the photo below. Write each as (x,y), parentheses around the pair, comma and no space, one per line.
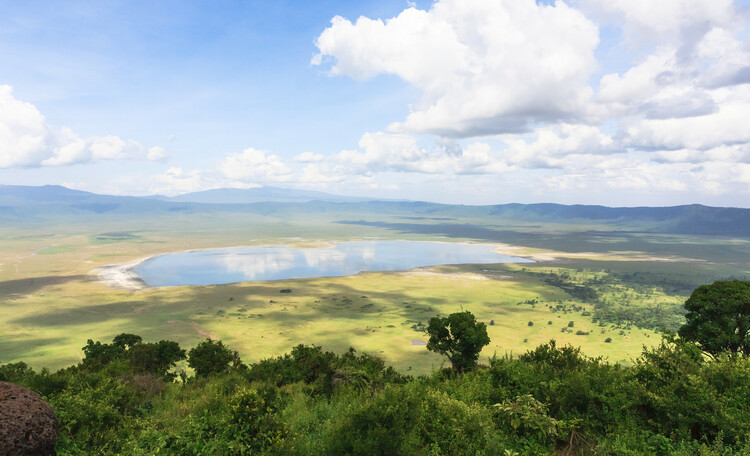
(211,357)
(156,358)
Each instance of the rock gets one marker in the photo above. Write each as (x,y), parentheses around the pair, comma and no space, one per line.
(28,424)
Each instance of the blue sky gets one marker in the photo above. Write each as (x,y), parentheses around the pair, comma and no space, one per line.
(620,102)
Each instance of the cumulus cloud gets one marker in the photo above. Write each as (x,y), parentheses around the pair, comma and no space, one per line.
(726,126)
(253,165)
(672,119)
(645,21)
(555,146)
(307,157)
(156,153)
(397,152)
(26,140)
(175,181)
(482,67)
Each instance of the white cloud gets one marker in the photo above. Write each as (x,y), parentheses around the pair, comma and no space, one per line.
(557,145)
(736,153)
(398,152)
(253,165)
(742,173)
(671,120)
(378,154)
(176,181)
(483,67)
(156,153)
(727,126)
(307,157)
(628,173)
(26,140)
(24,136)
(648,21)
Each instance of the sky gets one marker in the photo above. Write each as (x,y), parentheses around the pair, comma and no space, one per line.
(613,102)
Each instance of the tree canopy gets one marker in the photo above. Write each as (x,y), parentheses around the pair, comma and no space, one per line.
(459,337)
(145,358)
(211,357)
(718,317)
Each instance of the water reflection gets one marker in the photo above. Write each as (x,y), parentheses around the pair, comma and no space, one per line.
(324,258)
(208,267)
(257,264)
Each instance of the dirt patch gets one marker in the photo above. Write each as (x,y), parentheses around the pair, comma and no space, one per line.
(445,275)
(196,327)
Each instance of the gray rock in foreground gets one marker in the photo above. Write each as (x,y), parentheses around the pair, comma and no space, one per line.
(28,424)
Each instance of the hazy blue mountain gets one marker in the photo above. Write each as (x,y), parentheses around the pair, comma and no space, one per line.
(260,194)
(25,202)
(43,193)
(22,203)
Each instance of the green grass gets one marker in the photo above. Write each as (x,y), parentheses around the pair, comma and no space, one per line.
(55,249)
(50,306)
(372,312)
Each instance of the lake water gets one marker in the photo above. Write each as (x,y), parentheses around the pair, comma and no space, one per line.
(276,262)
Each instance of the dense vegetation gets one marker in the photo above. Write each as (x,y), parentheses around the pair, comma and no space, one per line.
(131,397)
(672,401)
(640,300)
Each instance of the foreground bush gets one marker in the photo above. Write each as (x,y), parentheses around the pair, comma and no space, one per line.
(551,400)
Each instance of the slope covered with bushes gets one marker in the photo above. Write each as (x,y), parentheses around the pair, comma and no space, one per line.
(551,400)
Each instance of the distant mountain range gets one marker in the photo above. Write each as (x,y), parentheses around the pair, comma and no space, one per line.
(20,203)
(258,195)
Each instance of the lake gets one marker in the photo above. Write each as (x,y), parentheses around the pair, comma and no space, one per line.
(276,262)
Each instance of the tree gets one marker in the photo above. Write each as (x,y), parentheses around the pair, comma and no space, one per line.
(459,337)
(126,341)
(96,355)
(211,357)
(718,317)
(156,358)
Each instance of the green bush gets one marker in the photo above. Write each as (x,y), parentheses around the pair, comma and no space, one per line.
(212,357)
(673,401)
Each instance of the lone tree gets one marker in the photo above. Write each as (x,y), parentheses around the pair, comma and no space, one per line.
(459,337)
(718,317)
(212,357)
(156,358)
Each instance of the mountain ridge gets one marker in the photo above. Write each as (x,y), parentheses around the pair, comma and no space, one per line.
(25,202)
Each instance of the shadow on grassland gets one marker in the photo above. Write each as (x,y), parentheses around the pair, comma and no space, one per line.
(571,242)
(12,349)
(716,248)
(84,314)
(12,288)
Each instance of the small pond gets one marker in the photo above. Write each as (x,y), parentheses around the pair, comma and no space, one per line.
(276,262)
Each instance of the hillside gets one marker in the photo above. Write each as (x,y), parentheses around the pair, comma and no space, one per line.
(22,203)
(551,400)
(261,194)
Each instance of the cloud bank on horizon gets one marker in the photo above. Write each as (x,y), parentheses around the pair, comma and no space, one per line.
(619,102)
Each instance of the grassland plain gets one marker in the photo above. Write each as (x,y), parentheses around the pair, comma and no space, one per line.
(51,305)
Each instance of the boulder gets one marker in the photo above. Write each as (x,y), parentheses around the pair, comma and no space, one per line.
(28,424)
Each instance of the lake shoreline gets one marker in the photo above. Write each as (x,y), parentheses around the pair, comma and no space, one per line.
(123,276)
